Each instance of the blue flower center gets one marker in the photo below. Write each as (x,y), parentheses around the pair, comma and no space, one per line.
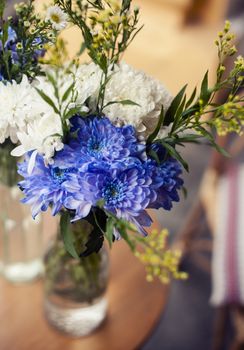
(59,175)
(95,146)
(113,192)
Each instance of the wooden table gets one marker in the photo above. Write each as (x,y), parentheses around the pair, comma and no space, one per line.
(134,309)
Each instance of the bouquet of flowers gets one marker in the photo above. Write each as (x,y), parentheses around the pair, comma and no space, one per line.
(101,140)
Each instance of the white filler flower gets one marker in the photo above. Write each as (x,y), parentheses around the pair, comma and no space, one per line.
(57,17)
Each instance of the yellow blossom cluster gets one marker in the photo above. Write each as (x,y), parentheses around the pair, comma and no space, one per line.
(225,41)
(160,262)
(19,7)
(232,118)
(226,47)
(57,54)
(239,63)
(107,25)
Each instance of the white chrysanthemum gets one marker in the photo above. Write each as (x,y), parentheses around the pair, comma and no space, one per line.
(129,84)
(17,108)
(43,135)
(57,17)
(87,84)
(41,129)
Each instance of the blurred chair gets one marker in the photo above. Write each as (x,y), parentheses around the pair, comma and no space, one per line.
(221,202)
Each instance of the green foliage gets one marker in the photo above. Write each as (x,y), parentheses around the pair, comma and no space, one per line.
(63,104)
(121,226)
(67,235)
(97,219)
(173,108)
(190,120)
(109,234)
(158,127)
(122,102)
(33,33)
(2,7)
(48,100)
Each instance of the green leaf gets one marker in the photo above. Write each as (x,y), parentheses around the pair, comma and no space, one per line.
(188,138)
(103,63)
(205,93)
(184,191)
(48,100)
(191,99)
(178,115)
(67,235)
(156,131)
(82,49)
(122,102)
(126,5)
(2,7)
(210,137)
(98,220)
(221,150)
(205,133)
(191,111)
(86,33)
(14,69)
(172,151)
(67,92)
(54,84)
(94,243)
(109,234)
(122,228)
(204,86)
(5,33)
(72,112)
(154,155)
(171,112)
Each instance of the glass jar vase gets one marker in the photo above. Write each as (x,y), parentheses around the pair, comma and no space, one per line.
(75,301)
(20,236)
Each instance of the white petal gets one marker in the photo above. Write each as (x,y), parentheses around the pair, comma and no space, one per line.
(18,151)
(32,161)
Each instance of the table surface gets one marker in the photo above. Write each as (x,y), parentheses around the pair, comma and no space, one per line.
(134,309)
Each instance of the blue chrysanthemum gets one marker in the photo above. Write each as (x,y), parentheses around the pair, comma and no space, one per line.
(166,182)
(107,164)
(99,141)
(44,187)
(126,192)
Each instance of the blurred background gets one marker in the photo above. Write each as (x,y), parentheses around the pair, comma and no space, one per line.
(176,47)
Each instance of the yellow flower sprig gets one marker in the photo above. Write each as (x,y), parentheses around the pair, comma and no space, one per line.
(160,262)
(226,47)
(108,27)
(231,117)
(56,55)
